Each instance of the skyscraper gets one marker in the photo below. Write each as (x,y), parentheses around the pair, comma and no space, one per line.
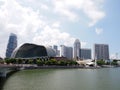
(67,52)
(55,47)
(77,47)
(85,53)
(12,44)
(101,51)
(63,51)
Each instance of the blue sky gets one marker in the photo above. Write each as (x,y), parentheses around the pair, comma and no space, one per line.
(50,22)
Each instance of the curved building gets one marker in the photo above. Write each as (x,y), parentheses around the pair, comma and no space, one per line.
(77,47)
(32,51)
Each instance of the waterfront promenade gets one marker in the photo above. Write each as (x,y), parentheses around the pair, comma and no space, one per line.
(6,69)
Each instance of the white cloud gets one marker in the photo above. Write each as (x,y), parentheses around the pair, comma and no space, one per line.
(56,24)
(83,44)
(62,7)
(91,8)
(113,56)
(99,31)
(45,7)
(29,25)
(53,36)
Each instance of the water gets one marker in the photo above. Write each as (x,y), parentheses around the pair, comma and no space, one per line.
(65,79)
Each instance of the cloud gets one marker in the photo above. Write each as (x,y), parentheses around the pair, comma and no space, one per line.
(83,44)
(53,36)
(90,8)
(45,7)
(93,10)
(113,56)
(56,24)
(99,31)
(29,25)
(35,21)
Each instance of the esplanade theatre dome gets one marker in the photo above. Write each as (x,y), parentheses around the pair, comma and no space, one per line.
(28,50)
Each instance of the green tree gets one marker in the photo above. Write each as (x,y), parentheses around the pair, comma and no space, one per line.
(100,62)
(12,60)
(63,62)
(47,62)
(30,61)
(2,61)
(39,62)
(53,62)
(7,60)
(19,61)
(114,62)
(74,63)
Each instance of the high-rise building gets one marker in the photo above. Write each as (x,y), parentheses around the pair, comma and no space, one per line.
(69,53)
(58,53)
(101,51)
(12,44)
(66,52)
(55,47)
(77,47)
(85,53)
(63,51)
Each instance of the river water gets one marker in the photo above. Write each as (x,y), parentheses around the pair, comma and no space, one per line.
(64,79)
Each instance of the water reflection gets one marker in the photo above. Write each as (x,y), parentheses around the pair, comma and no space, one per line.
(2,82)
(4,79)
(65,79)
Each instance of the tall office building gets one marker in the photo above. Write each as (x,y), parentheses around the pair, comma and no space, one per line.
(69,54)
(66,52)
(63,51)
(77,47)
(85,53)
(12,44)
(101,51)
(55,47)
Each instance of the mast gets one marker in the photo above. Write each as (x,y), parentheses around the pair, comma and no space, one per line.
(95,60)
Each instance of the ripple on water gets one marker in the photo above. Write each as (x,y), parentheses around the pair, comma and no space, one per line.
(65,79)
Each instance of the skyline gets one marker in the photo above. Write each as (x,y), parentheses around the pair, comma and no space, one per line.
(60,22)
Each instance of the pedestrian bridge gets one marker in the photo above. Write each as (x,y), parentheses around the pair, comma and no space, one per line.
(5,69)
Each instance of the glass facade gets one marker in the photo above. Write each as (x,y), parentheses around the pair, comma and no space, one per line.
(101,51)
(12,44)
(67,52)
(32,51)
(85,53)
(77,47)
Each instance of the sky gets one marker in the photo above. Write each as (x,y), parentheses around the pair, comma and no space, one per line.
(60,22)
